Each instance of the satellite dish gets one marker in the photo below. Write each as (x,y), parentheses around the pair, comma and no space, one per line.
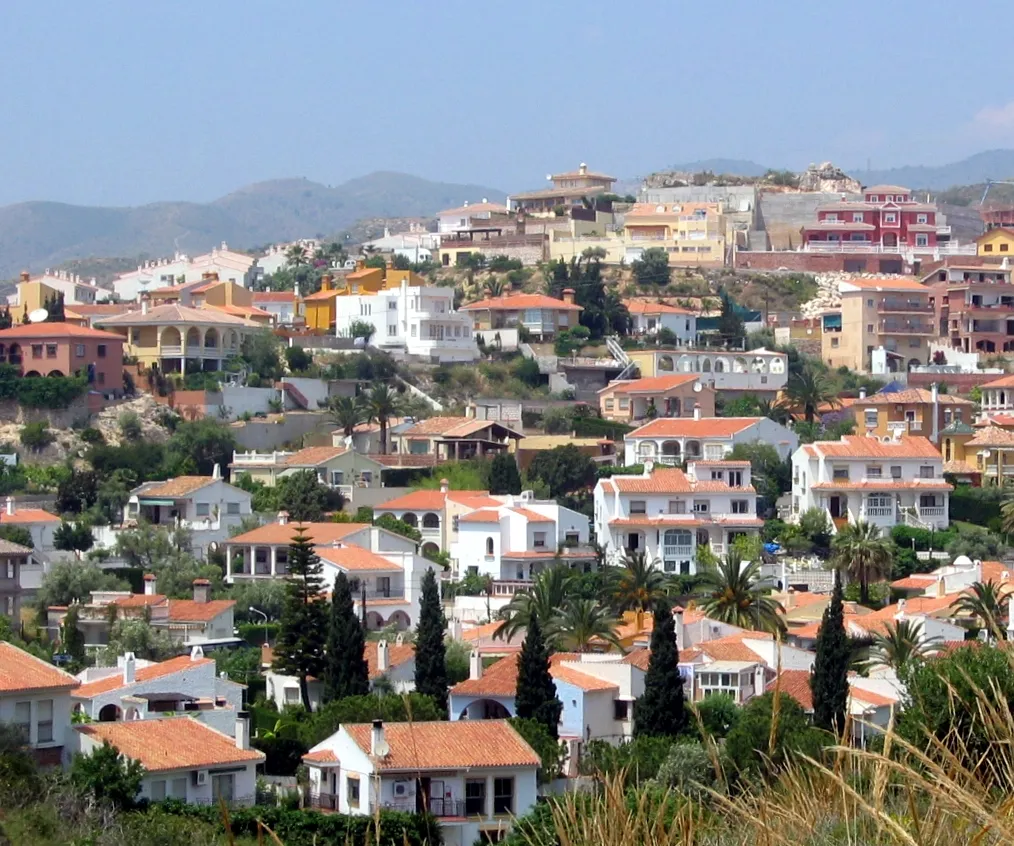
(38,316)
(698,387)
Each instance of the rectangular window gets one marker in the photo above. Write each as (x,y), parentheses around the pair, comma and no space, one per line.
(621,709)
(101,351)
(637,506)
(987,248)
(36,350)
(475,797)
(232,508)
(337,477)
(921,218)
(366,476)
(873,471)
(203,509)
(51,351)
(413,330)
(857,217)
(157,790)
(45,720)
(178,788)
(890,217)
(572,539)
(701,506)
(609,405)
(503,796)
(677,506)
(740,506)
(392,305)
(539,540)
(624,404)
(79,350)
(895,472)
(834,343)
(922,240)
(352,788)
(927,473)
(840,474)
(392,330)
(23,718)
(870,416)
(717,476)
(101,378)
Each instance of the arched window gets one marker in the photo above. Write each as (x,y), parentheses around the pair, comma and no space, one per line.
(665,363)
(693,449)
(410,519)
(489,546)
(706,365)
(646,449)
(677,537)
(431,521)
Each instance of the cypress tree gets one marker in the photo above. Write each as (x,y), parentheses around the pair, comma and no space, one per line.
(430,660)
(504,477)
(660,712)
(73,638)
(536,697)
(345,671)
(829,681)
(299,649)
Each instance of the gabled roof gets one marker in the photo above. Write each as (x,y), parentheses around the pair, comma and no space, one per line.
(356,559)
(179,743)
(475,208)
(652,384)
(430,500)
(56,331)
(516,302)
(483,515)
(27,515)
(455,745)
(1002,382)
(192,611)
(21,672)
(883,284)
(860,446)
(958,427)
(397,654)
(173,314)
(912,395)
(143,674)
(274,296)
(313,456)
(671,480)
(452,427)
(689,427)
(794,683)
(992,436)
(645,307)
(279,533)
(532,516)
(10,548)
(178,487)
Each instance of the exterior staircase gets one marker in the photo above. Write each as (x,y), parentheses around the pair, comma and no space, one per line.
(616,351)
(296,395)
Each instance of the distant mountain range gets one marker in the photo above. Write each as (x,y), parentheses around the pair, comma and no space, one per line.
(36,235)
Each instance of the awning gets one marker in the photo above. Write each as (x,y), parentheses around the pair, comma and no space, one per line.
(167,502)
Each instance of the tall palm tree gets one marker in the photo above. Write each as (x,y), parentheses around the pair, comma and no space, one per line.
(730,594)
(860,551)
(542,600)
(1007,513)
(776,411)
(637,583)
(295,256)
(382,404)
(901,643)
(580,625)
(811,388)
(346,413)
(987,603)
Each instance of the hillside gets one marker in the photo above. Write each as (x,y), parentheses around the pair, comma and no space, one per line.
(989,164)
(36,235)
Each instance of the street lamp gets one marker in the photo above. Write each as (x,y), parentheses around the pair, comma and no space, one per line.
(265,616)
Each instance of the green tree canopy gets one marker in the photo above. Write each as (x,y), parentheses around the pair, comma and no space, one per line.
(345,670)
(652,268)
(536,697)
(107,776)
(564,469)
(504,477)
(430,655)
(73,581)
(660,709)
(829,681)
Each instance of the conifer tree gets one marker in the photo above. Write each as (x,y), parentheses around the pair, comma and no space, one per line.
(56,315)
(299,649)
(660,711)
(73,639)
(536,697)
(504,477)
(430,653)
(345,670)
(829,681)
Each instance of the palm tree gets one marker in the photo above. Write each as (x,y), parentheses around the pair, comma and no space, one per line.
(860,551)
(497,286)
(901,643)
(542,600)
(381,405)
(295,256)
(986,602)
(776,411)
(346,413)
(580,624)
(811,388)
(1007,513)
(730,595)
(637,583)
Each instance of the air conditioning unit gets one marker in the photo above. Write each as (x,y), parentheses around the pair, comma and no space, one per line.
(200,777)
(401,789)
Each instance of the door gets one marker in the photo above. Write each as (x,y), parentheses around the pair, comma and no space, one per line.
(422,795)
(633,541)
(835,506)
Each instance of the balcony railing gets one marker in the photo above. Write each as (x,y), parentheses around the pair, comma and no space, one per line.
(437,807)
(899,306)
(931,511)
(887,327)
(877,511)
(324,801)
(677,552)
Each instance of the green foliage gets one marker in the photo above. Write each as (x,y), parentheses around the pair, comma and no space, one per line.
(72,639)
(652,268)
(303,496)
(130,425)
(815,526)
(391,708)
(298,359)
(504,477)
(829,679)
(638,760)
(17,534)
(564,469)
(536,697)
(860,551)
(36,436)
(461,476)
(660,711)
(107,776)
(137,636)
(361,329)
(44,392)
(557,421)
(73,537)
(718,714)
(393,524)
(72,581)
(20,781)
(731,329)
(299,649)
(197,446)
(688,769)
(546,746)
(345,670)
(430,651)
(977,543)
(730,594)
(260,350)
(527,370)
(596,427)
(77,492)
(264,594)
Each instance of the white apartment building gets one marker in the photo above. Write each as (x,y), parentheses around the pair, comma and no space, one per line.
(460,218)
(880,481)
(282,305)
(649,318)
(161,273)
(670,440)
(667,513)
(998,398)
(760,371)
(416,320)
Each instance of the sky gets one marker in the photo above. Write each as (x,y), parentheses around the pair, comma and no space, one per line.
(125,103)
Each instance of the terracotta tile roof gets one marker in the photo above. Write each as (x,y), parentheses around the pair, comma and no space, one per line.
(993,420)
(483,515)
(356,559)
(794,683)
(474,208)
(56,331)
(474,499)
(321,295)
(313,456)
(405,460)
(868,697)
(960,468)
(241,311)
(180,743)
(10,548)
(519,302)
(688,427)
(321,756)
(143,674)
(887,284)
(190,611)
(180,486)
(22,672)
(672,480)
(728,649)
(27,515)
(643,307)
(700,462)
(173,314)
(992,436)
(97,309)
(585,174)
(318,533)
(912,395)
(446,745)
(917,581)
(652,384)
(532,516)
(438,425)
(860,446)
(571,675)
(397,654)
(139,600)
(415,501)
(274,296)
(498,679)
(640,658)
(1002,382)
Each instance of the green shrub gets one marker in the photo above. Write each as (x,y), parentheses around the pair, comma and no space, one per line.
(36,436)
(130,426)
(92,435)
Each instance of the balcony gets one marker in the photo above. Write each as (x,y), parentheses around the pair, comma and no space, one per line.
(887,327)
(933,511)
(677,552)
(877,512)
(893,306)
(438,807)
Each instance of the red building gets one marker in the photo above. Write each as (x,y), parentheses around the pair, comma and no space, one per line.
(974,307)
(64,349)
(887,219)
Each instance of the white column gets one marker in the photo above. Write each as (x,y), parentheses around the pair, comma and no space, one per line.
(274,561)
(253,560)
(228,563)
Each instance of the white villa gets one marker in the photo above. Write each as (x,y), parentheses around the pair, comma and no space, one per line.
(671,440)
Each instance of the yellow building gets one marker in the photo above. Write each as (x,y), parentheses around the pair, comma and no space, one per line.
(997,242)
(230,298)
(321,311)
(959,459)
(992,451)
(884,318)
(32,295)
(916,411)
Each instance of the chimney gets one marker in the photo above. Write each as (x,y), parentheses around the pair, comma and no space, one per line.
(242,730)
(790,599)
(649,465)
(149,584)
(25,276)
(202,590)
(378,743)
(901,610)
(485,200)
(759,680)
(217,472)
(697,412)
(383,657)
(10,506)
(935,411)
(325,282)
(144,305)
(678,625)
(283,518)
(454,629)
(444,486)
(941,587)
(474,665)
(862,393)
(197,654)
(568,296)
(1010,618)
(583,169)
(400,639)
(129,668)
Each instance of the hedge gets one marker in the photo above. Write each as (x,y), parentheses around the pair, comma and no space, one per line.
(40,391)
(596,427)
(311,828)
(254,633)
(977,505)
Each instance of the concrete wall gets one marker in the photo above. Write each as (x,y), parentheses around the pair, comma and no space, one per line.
(312,389)
(242,400)
(264,435)
(821,262)
(372,497)
(508,338)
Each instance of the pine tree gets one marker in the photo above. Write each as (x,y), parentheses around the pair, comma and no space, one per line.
(430,663)
(73,638)
(345,671)
(829,681)
(299,649)
(536,697)
(504,477)
(659,712)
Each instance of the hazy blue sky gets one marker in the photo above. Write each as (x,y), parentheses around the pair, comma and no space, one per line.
(117,102)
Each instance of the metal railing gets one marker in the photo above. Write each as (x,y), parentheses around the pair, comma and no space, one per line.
(877,511)
(889,328)
(323,801)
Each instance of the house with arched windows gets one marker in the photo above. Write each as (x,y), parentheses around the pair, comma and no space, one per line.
(760,372)
(671,441)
